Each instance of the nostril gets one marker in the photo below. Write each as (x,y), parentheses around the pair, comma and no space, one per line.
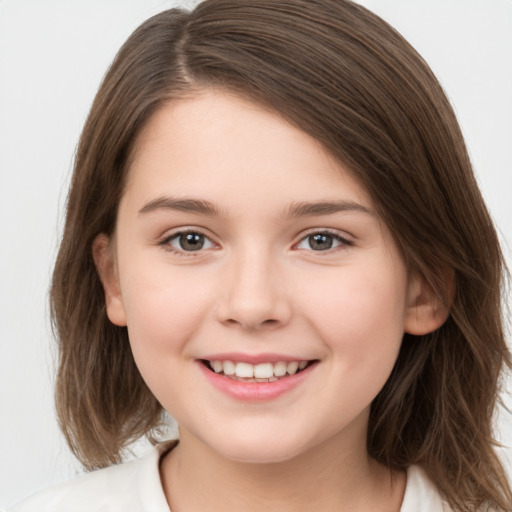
(271,322)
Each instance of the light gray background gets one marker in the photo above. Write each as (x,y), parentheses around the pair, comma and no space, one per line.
(52,57)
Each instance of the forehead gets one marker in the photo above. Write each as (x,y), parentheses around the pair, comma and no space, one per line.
(218,145)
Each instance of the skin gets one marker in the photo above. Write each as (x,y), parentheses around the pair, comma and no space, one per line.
(259,286)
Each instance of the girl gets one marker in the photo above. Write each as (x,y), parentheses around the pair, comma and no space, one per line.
(274,234)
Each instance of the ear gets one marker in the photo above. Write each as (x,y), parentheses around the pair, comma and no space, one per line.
(106,266)
(426,312)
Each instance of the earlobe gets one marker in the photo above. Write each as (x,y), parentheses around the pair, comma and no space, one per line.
(425,312)
(106,267)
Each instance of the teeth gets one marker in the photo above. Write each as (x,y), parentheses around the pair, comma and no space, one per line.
(263,372)
(280,369)
(292,368)
(217,366)
(229,368)
(244,370)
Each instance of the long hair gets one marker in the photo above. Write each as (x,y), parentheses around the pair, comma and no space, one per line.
(345,77)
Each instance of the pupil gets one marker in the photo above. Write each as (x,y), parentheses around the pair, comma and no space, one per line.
(191,241)
(320,241)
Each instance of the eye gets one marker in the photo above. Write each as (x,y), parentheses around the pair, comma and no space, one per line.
(322,241)
(187,241)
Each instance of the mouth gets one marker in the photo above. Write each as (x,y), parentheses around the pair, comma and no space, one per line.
(262,372)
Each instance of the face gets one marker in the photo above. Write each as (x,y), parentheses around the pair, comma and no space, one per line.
(264,298)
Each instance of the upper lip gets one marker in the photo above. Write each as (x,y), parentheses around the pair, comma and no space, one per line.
(253,358)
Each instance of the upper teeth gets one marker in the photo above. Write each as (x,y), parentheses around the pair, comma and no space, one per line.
(258,371)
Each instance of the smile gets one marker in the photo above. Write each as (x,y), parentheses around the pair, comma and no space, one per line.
(262,379)
(262,372)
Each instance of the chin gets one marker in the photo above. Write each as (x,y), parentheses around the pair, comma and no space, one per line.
(259,449)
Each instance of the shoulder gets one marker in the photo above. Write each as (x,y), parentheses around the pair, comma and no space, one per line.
(421,495)
(133,486)
(92,491)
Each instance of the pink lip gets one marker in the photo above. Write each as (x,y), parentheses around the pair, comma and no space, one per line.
(255,391)
(252,358)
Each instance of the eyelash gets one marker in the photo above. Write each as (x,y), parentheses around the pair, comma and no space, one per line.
(342,241)
(165,243)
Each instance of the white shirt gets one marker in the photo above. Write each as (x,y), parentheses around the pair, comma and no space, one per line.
(136,487)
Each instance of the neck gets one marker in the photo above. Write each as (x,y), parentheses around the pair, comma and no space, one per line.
(332,476)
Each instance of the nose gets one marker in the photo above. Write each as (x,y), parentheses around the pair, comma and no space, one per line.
(254,295)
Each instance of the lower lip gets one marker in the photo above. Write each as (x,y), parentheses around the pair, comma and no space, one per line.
(255,391)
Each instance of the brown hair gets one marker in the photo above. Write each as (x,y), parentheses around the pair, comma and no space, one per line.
(344,76)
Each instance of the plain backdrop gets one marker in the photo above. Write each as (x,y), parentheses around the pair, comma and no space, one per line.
(53,55)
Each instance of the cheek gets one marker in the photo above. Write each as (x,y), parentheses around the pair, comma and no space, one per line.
(163,307)
(359,314)
(164,310)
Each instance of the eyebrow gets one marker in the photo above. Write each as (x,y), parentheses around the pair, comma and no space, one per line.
(198,206)
(298,209)
(305,209)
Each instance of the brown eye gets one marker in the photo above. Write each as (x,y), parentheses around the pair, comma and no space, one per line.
(191,241)
(187,241)
(322,241)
